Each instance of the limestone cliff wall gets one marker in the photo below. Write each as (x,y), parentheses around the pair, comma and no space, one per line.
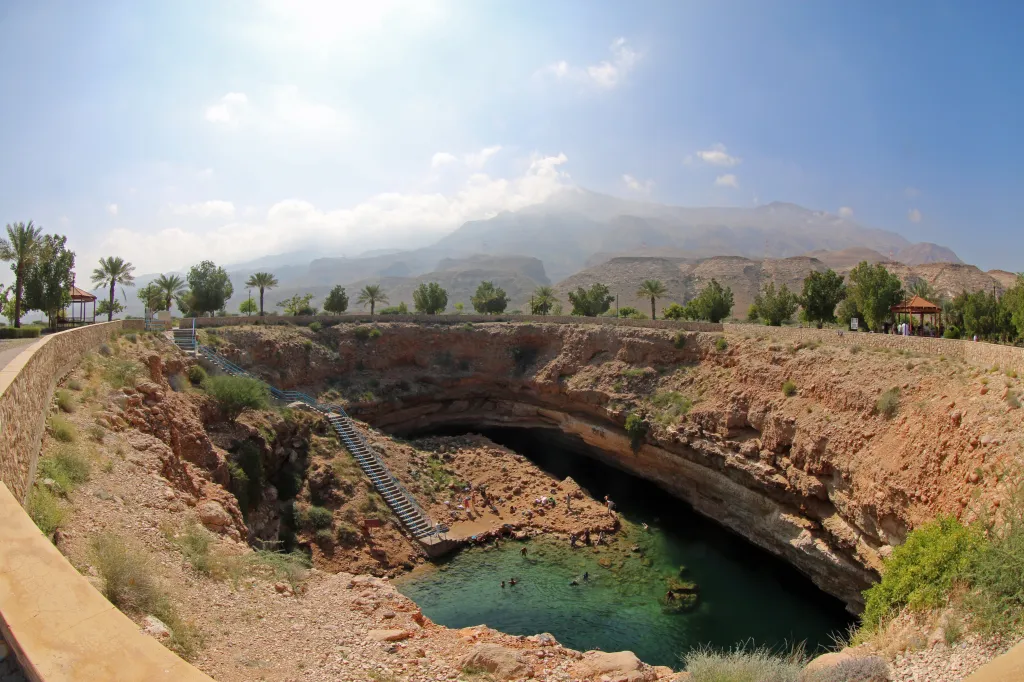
(26,387)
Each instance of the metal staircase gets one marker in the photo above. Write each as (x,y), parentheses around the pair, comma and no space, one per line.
(185,339)
(401,501)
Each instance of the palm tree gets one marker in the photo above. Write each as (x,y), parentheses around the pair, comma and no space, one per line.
(262,281)
(653,289)
(22,246)
(113,271)
(169,287)
(372,294)
(543,300)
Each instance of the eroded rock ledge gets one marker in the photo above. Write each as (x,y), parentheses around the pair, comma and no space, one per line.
(817,479)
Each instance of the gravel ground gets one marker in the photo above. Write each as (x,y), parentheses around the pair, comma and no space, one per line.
(946,663)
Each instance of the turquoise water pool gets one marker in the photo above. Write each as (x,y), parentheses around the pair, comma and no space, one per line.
(745,595)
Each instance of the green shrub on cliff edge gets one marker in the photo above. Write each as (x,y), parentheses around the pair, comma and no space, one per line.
(921,571)
(235,394)
(636,429)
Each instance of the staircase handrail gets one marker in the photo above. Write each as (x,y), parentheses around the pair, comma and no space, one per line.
(323,408)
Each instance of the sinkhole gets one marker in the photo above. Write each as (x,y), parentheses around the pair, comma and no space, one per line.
(743,594)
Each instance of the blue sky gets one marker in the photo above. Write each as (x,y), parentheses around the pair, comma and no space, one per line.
(173,131)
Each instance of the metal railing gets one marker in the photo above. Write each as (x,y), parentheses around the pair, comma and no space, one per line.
(420,527)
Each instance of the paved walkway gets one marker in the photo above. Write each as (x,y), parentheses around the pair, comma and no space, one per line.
(11,348)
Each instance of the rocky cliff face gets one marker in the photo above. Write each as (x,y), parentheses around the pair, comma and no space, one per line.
(820,478)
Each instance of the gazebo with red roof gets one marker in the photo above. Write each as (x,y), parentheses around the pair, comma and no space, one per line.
(81,297)
(921,307)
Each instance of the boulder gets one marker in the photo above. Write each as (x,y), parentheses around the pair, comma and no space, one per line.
(617,665)
(155,628)
(213,515)
(500,661)
(388,635)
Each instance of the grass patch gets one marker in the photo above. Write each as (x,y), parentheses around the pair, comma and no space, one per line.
(670,406)
(292,567)
(120,373)
(788,388)
(743,664)
(46,510)
(75,385)
(888,404)
(854,349)
(65,400)
(721,344)
(67,466)
(634,373)
(61,429)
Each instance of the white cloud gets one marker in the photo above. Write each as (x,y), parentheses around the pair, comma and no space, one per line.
(638,186)
(606,74)
(228,109)
(727,180)
(479,159)
(911,192)
(283,109)
(112,209)
(845,212)
(716,155)
(205,209)
(378,221)
(914,215)
(441,158)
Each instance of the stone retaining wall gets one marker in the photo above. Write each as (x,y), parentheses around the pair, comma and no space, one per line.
(305,320)
(977,353)
(26,387)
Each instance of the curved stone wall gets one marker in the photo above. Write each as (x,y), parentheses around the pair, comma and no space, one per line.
(60,627)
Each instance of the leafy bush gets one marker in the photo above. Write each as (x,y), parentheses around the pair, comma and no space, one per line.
(952,332)
(20,332)
(235,394)
(347,534)
(121,373)
(315,327)
(888,403)
(61,429)
(324,536)
(315,518)
(361,333)
(46,510)
(636,429)
(66,466)
(721,344)
(788,388)
(196,375)
(998,601)
(105,350)
(744,665)
(65,400)
(679,340)
(375,333)
(921,571)
(133,337)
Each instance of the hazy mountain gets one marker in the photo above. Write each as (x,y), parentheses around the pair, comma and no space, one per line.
(925,252)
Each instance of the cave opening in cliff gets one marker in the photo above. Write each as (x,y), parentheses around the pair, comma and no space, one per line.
(743,593)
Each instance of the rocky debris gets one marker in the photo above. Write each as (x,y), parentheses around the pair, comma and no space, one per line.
(388,635)
(155,628)
(501,661)
(213,516)
(619,666)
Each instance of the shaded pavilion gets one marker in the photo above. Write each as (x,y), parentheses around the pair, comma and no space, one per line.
(920,307)
(81,298)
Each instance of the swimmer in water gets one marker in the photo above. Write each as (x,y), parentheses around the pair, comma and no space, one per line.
(574,582)
(522,552)
(512,581)
(586,576)
(503,584)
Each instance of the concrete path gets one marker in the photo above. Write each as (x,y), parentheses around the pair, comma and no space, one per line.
(12,348)
(1005,668)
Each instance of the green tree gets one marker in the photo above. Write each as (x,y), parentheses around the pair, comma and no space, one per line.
(152,297)
(298,305)
(631,313)
(542,300)
(776,306)
(674,311)
(980,313)
(430,299)
(1013,302)
(921,287)
(873,291)
(186,302)
(171,286)
(336,301)
(48,282)
(822,293)
(261,281)
(753,314)
(104,308)
(459,307)
(21,249)
(112,271)
(591,302)
(247,307)
(488,299)
(210,287)
(652,289)
(400,309)
(713,303)
(372,294)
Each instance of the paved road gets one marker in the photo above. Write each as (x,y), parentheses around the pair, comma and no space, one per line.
(11,348)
